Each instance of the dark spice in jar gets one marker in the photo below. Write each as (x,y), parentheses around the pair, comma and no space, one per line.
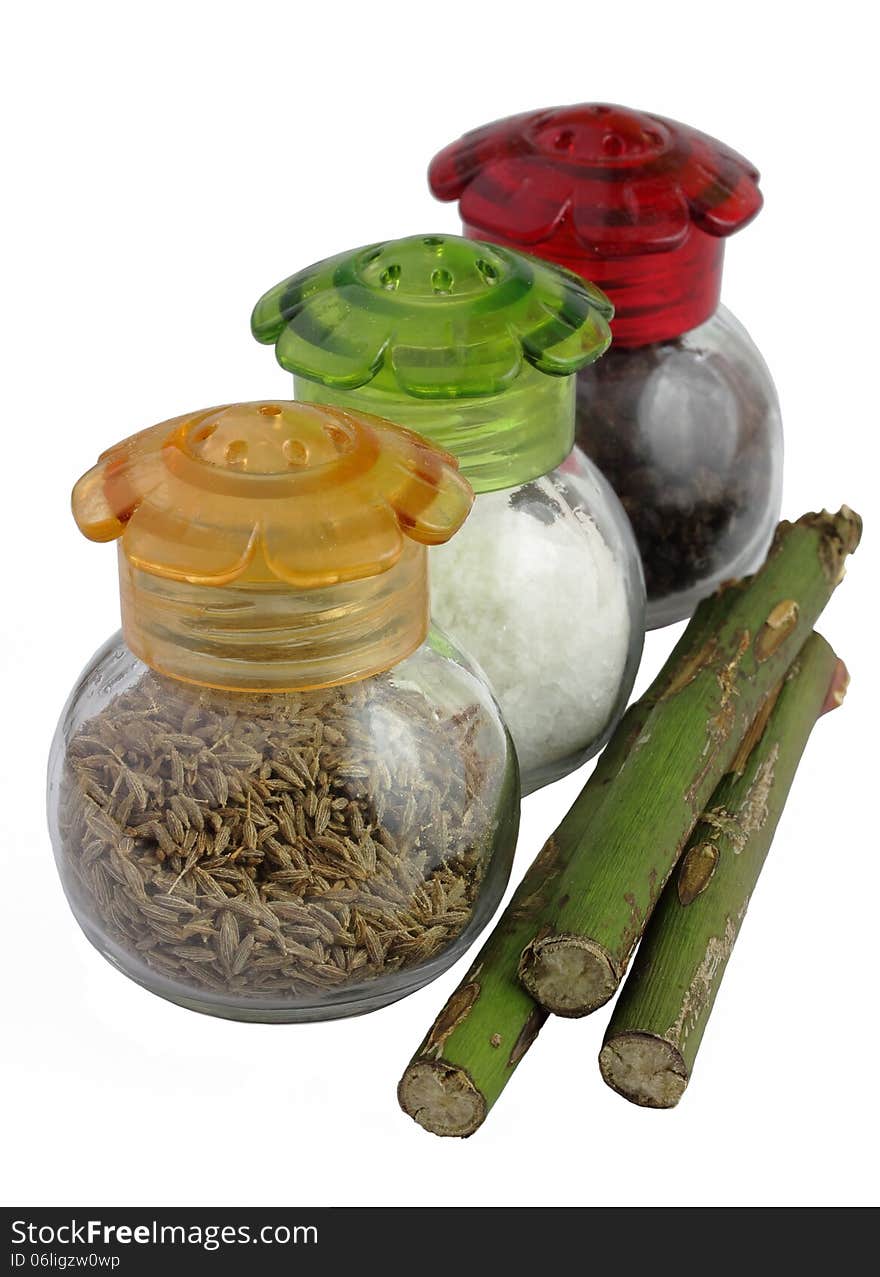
(681,435)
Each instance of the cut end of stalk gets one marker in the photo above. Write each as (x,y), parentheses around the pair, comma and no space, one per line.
(644,1069)
(567,974)
(849,528)
(841,534)
(441,1098)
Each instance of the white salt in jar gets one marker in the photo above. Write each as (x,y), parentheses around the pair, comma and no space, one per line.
(476,347)
(562,658)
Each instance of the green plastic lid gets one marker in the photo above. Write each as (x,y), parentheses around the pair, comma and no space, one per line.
(471,344)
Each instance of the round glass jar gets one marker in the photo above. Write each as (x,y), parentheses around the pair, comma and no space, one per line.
(681,415)
(276,795)
(476,349)
(689,435)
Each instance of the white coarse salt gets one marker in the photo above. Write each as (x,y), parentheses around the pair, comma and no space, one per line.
(530,589)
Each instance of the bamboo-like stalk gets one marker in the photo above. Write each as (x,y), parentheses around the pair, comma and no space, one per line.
(659,1019)
(489,1022)
(602,899)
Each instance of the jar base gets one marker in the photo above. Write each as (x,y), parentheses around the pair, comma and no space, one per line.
(548,773)
(680,607)
(369,997)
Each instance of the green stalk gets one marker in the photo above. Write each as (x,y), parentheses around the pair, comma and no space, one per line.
(584,937)
(489,1022)
(661,1014)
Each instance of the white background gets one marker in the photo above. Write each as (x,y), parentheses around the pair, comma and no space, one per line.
(166,163)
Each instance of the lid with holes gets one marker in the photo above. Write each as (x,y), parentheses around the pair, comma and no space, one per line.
(455,338)
(635,202)
(273,545)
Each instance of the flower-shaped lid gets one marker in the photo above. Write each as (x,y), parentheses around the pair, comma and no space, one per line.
(273,545)
(435,321)
(635,202)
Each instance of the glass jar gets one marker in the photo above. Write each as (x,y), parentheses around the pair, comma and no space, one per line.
(689,435)
(565,657)
(476,349)
(276,796)
(681,415)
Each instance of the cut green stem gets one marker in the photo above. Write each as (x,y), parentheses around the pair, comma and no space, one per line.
(664,1006)
(489,1022)
(602,899)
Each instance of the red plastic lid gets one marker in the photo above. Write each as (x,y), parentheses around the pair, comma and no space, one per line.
(633,202)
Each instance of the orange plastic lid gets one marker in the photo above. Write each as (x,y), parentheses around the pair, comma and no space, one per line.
(273,545)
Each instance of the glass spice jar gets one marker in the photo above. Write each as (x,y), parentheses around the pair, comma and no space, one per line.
(476,348)
(681,415)
(277,795)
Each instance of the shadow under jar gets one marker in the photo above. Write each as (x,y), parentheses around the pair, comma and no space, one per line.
(277,796)
(681,414)
(476,348)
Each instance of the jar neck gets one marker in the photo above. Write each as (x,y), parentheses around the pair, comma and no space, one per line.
(500,441)
(269,637)
(656,296)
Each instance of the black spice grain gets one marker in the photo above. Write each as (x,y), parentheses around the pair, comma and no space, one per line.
(689,467)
